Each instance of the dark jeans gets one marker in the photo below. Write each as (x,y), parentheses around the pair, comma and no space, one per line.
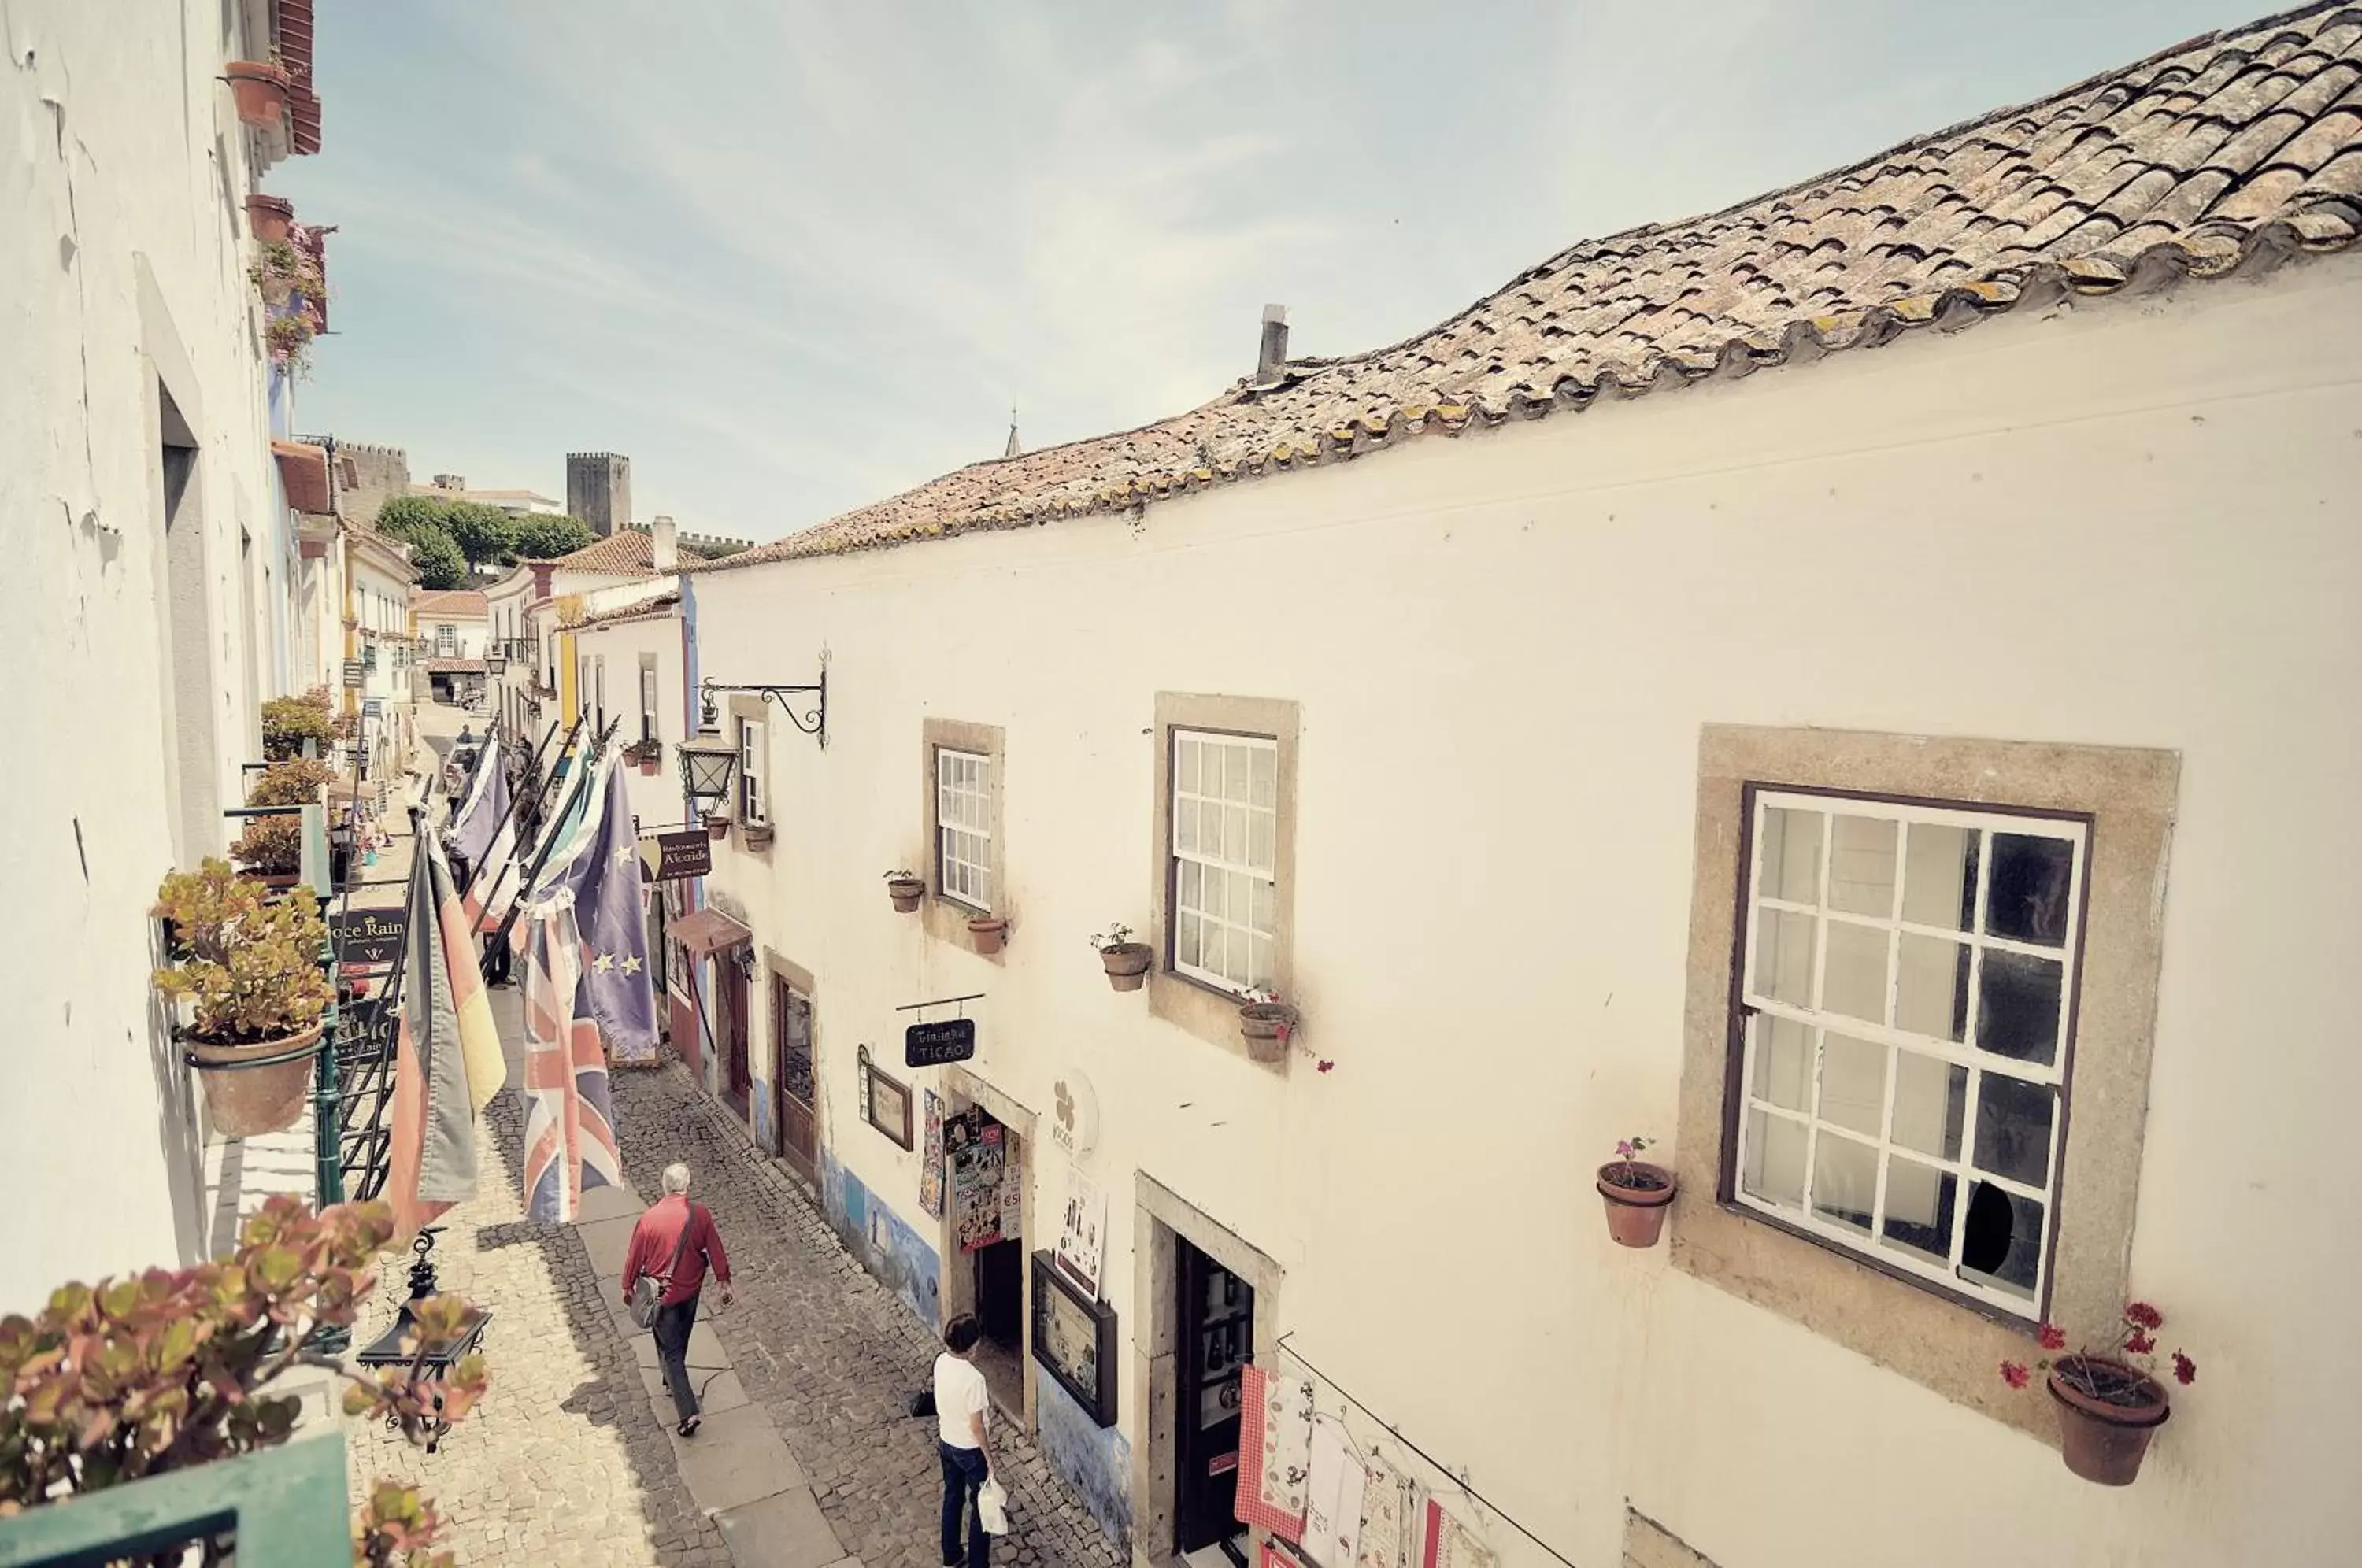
(964,1473)
(674,1321)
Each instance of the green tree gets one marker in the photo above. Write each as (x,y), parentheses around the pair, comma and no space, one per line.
(440,561)
(484,533)
(545,536)
(408,516)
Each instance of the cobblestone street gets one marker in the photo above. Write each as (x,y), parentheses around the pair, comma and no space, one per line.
(830,1354)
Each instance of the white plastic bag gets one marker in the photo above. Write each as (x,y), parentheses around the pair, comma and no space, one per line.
(992,1505)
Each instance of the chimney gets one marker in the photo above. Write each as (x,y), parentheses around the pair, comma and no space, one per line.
(664,547)
(1273,360)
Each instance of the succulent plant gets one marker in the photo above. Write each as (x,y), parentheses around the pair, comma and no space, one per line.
(252,968)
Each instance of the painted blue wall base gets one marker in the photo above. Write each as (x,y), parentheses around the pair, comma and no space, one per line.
(886,1247)
(1093,1459)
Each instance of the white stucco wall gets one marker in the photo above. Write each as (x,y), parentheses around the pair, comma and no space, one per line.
(655,800)
(2133,524)
(124,179)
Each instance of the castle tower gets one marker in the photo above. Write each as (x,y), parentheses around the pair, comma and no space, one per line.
(599,490)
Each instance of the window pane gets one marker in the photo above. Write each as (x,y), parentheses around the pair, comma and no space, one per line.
(1266,779)
(1845,1181)
(1855,980)
(2031,878)
(1931,987)
(1790,855)
(1783,1060)
(1264,965)
(1234,832)
(1775,1160)
(1853,1083)
(1212,901)
(1862,866)
(1185,939)
(1185,824)
(1939,874)
(1931,1100)
(1784,956)
(1191,879)
(1185,768)
(2018,1006)
(1237,770)
(1209,830)
(1263,906)
(1920,1209)
(1240,899)
(2014,1129)
(1237,956)
(2000,1241)
(1259,837)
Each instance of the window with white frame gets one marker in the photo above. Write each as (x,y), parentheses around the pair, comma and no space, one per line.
(964,827)
(751,800)
(1225,855)
(647,702)
(446,640)
(1908,988)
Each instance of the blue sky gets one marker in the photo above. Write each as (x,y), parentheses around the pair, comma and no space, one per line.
(794,257)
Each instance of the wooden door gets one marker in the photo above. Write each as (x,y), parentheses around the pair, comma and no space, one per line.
(737,1077)
(791,1027)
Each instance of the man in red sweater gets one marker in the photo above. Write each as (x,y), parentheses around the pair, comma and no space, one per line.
(655,1239)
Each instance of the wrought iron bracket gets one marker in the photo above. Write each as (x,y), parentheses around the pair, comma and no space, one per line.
(812,700)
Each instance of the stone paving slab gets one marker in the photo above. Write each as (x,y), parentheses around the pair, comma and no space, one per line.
(705,1351)
(735,1458)
(784,1532)
(608,1240)
(716,1390)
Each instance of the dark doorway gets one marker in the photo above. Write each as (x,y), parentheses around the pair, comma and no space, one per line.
(1216,1320)
(792,1028)
(736,1077)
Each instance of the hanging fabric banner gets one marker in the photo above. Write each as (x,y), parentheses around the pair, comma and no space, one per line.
(1450,1544)
(1274,1449)
(930,1162)
(1388,1509)
(1334,1484)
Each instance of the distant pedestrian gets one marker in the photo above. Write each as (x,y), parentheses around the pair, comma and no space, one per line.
(672,1244)
(962,1407)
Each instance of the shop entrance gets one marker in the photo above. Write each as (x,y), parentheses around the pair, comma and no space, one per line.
(1216,1313)
(986,1164)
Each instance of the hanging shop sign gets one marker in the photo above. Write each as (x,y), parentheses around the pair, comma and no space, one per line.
(1082,1232)
(1074,1115)
(372,707)
(368,936)
(936,1045)
(672,856)
(354,672)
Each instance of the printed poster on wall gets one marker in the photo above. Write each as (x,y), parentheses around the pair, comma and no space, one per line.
(931,1163)
(1275,1451)
(977,1155)
(1450,1544)
(1082,1231)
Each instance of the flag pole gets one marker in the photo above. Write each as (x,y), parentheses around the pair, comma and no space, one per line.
(590,755)
(517,795)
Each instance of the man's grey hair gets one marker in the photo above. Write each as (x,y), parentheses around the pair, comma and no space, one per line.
(676,1177)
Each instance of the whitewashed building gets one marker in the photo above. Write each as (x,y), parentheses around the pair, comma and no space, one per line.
(451,629)
(1903,769)
(158,595)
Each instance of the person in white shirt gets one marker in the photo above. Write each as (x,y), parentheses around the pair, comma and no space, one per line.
(961,1407)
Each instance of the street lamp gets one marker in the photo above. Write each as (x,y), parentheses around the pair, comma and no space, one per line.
(389,1350)
(496,665)
(706,762)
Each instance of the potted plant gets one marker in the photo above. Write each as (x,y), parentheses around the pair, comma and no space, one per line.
(261,89)
(648,754)
(2110,1403)
(269,218)
(989,933)
(270,850)
(250,970)
(906,889)
(289,340)
(717,827)
(288,722)
(274,271)
(1635,1194)
(1267,1024)
(758,834)
(131,1379)
(1126,961)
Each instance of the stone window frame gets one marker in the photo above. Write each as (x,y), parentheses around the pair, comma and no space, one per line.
(2128,795)
(744,709)
(1203,1009)
(945,917)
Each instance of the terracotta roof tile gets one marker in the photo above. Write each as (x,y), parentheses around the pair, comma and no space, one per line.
(304,476)
(660,608)
(627,553)
(2237,148)
(463,603)
(452,666)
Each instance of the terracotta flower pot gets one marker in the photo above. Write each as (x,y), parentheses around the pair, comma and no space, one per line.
(1127,964)
(717,828)
(650,767)
(988,934)
(1636,1210)
(1266,1027)
(757,834)
(2104,1440)
(906,892)
(269,218)
(245,1101)
(261,89)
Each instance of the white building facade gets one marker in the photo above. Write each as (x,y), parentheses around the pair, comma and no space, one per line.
(1899,784)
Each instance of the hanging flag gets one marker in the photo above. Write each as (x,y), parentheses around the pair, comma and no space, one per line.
(488,838)
(587,995)
(447,1063)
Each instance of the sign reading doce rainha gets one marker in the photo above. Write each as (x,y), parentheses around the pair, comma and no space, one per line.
(935,1044)
(368,936)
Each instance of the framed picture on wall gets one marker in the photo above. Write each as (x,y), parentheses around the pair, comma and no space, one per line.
(1073,1339)
(885,1102)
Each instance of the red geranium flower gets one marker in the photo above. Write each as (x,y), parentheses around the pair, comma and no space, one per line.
(2053,1337)
(2140,1344)
(2185,1370)
(2143,1315)
(2013,1375)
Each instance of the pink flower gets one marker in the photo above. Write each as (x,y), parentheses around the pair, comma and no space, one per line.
(2053,1337)
(1325,1065)
(2140,1344)
(2185,1371)
(2014,1374)
(2142,1315)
